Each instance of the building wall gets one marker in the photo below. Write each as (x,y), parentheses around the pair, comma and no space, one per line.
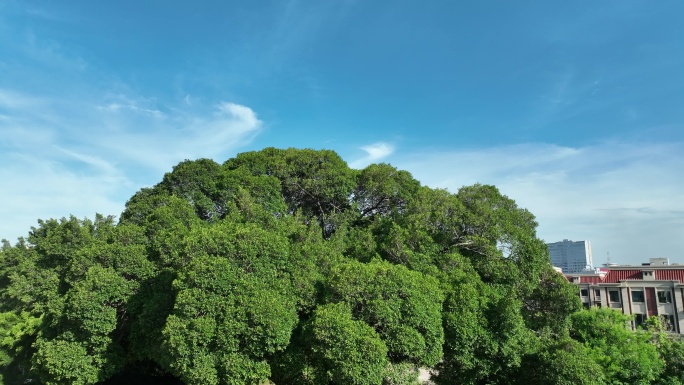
(641,298)
(571,257)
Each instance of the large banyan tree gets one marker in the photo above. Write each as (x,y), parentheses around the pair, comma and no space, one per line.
(285,266)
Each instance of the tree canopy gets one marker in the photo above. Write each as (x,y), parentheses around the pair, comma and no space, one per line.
(286,265)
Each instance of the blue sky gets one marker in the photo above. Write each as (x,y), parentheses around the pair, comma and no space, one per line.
(573,109)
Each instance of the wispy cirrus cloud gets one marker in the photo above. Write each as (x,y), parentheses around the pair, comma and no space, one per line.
(627,198)
(184,132)
(74,156)
(374,153)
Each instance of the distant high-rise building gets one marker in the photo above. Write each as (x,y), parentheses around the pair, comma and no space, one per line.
(571,257)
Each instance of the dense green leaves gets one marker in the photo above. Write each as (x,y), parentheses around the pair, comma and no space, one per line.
(335,349)
(316,182)
(225,319)
(382,189)
(17,334)
(403,306)
(625,357)
(551,303)
(62,362)
(558,362)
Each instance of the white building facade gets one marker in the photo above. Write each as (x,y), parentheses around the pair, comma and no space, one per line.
(571,257)
(641,291)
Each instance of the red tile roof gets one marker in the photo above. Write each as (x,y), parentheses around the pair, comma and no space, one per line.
(615,276)
(670,275)
(590,279)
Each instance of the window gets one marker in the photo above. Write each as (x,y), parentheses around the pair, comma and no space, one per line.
(597,293)
(584,292)
(668,322)
(614,296)
(637,296)
(639,319)
(664,297)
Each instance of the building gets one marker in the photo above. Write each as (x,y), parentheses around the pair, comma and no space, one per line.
(654,288)
(571,257)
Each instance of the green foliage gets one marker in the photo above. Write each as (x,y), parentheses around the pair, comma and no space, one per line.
(149,308)
(626,357)
(17,334)
(485,334)
(550,304)
(558,362)
(197,182)
(63,362)
(671,350)
(335,349)
(88,330)
(316,182)
(224,324)
(382,189)
(403,306)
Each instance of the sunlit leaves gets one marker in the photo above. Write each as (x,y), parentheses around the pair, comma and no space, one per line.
(403,306)
(224,318)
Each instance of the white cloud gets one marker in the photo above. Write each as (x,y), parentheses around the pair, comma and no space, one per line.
(374,153)
(158,141)
(63,157)
(240,113)
(14,100)
(93,161)
(39,187)
(626,198)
